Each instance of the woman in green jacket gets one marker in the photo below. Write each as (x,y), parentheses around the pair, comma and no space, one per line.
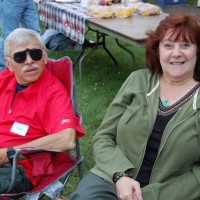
(148,145)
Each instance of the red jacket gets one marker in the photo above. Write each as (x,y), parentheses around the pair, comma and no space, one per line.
(41,109)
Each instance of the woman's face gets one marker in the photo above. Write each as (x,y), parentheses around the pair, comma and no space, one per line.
(177,58)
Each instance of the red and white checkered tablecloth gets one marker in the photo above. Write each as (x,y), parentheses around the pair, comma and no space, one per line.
(67,18)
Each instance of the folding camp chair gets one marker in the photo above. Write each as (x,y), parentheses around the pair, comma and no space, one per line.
(63,162)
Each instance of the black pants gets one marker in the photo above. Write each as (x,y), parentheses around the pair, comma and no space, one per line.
(22,183)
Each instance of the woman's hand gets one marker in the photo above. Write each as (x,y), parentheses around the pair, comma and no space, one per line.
(128,189)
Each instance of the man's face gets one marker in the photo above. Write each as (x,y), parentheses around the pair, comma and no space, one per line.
(29,70)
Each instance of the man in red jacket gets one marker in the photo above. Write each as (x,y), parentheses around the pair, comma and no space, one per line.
(35,110)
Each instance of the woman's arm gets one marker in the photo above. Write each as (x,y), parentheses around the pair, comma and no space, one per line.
(108,156)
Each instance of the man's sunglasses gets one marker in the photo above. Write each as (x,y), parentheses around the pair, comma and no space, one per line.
(20,57)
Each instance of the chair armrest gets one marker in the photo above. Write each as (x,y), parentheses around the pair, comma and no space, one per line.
(14,166)
(28,151)
(25,152)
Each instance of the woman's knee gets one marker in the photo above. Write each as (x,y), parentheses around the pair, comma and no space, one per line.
(93,187)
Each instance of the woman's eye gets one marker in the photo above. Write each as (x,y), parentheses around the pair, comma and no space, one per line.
(168,45)
(185,45)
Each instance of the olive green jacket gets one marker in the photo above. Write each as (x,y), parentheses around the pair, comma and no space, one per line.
(120,142)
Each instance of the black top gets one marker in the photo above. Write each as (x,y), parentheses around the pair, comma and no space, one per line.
(152,149)
(20,87)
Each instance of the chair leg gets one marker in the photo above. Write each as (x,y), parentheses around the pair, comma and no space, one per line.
(61,198)
(80,171)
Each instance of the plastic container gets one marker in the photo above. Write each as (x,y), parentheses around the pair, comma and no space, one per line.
(170,2)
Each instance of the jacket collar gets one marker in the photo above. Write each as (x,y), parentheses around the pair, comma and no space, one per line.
(155,88)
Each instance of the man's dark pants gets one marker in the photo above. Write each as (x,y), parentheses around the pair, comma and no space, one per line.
(22,183)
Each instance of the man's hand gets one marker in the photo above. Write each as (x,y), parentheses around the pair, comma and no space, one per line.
(128,189)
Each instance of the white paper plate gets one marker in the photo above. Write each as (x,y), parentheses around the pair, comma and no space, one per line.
(67,1)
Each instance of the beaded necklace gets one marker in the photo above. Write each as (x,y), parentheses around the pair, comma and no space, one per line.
(165,109)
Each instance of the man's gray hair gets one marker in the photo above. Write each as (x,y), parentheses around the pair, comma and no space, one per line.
(20,37)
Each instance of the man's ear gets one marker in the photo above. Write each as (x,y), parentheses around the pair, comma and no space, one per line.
(8,64)
(45,56)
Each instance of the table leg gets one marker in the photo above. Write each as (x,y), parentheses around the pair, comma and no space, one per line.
(105,48)
(83,57)
(78,56)
(127,50)
(99,41)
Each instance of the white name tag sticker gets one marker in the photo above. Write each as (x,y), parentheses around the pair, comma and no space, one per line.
(19,128)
